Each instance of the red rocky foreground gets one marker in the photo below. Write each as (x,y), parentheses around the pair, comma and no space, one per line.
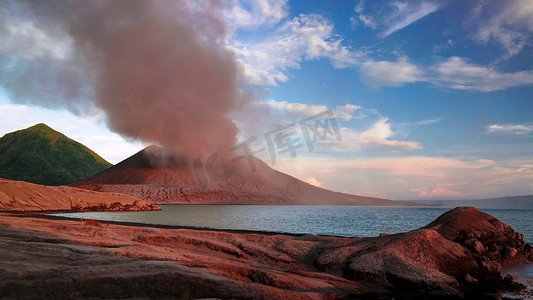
(459,255)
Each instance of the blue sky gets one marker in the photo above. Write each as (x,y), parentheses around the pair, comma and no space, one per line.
(434,97)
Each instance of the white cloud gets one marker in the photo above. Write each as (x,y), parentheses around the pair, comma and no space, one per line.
(453,73)
(404,128)
(401,15)
(510,128)
(294,111)
(246,13)
(456,73)
(265,64)
(306,37)
(347,112)
(380,134)
(407,13)
(390,73)
(309,37)
(315,35)
(423,122)
(368,21)
(395,15)
(510,25)
(444,46)
(353,22)
(359,7)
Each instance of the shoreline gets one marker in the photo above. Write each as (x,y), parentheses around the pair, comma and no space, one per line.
(250,264)
(163,226)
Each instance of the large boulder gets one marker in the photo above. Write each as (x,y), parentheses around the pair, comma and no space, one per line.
(451,257)
(484,235)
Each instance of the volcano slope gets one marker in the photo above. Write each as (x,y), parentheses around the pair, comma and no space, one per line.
(154,174)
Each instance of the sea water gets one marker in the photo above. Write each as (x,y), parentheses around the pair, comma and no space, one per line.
(349,221)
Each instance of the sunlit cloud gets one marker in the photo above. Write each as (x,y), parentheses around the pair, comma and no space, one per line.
(430,167)
(416,177)
(313,181)
(436,192)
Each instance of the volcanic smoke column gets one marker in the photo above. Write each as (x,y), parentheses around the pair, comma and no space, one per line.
(158,69)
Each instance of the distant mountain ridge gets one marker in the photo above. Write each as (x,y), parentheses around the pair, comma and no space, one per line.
(156,175)
(41,155)
(507,202)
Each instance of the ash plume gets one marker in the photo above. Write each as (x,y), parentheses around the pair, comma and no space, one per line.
(159,70)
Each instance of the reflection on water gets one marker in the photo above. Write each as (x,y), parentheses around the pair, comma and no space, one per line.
(323,220)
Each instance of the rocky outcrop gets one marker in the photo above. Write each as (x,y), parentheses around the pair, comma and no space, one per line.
(84,260)
(457,255)
(484,235)
(22,196)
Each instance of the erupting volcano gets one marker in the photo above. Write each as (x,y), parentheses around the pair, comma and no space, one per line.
(157,175)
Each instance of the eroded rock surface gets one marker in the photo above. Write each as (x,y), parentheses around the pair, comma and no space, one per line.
(77,260)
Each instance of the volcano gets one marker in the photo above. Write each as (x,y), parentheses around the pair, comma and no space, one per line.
(156,175)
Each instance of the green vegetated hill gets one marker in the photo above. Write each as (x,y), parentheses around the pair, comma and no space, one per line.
(39,154)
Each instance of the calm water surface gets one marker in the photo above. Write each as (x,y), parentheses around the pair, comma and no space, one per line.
(352,221)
